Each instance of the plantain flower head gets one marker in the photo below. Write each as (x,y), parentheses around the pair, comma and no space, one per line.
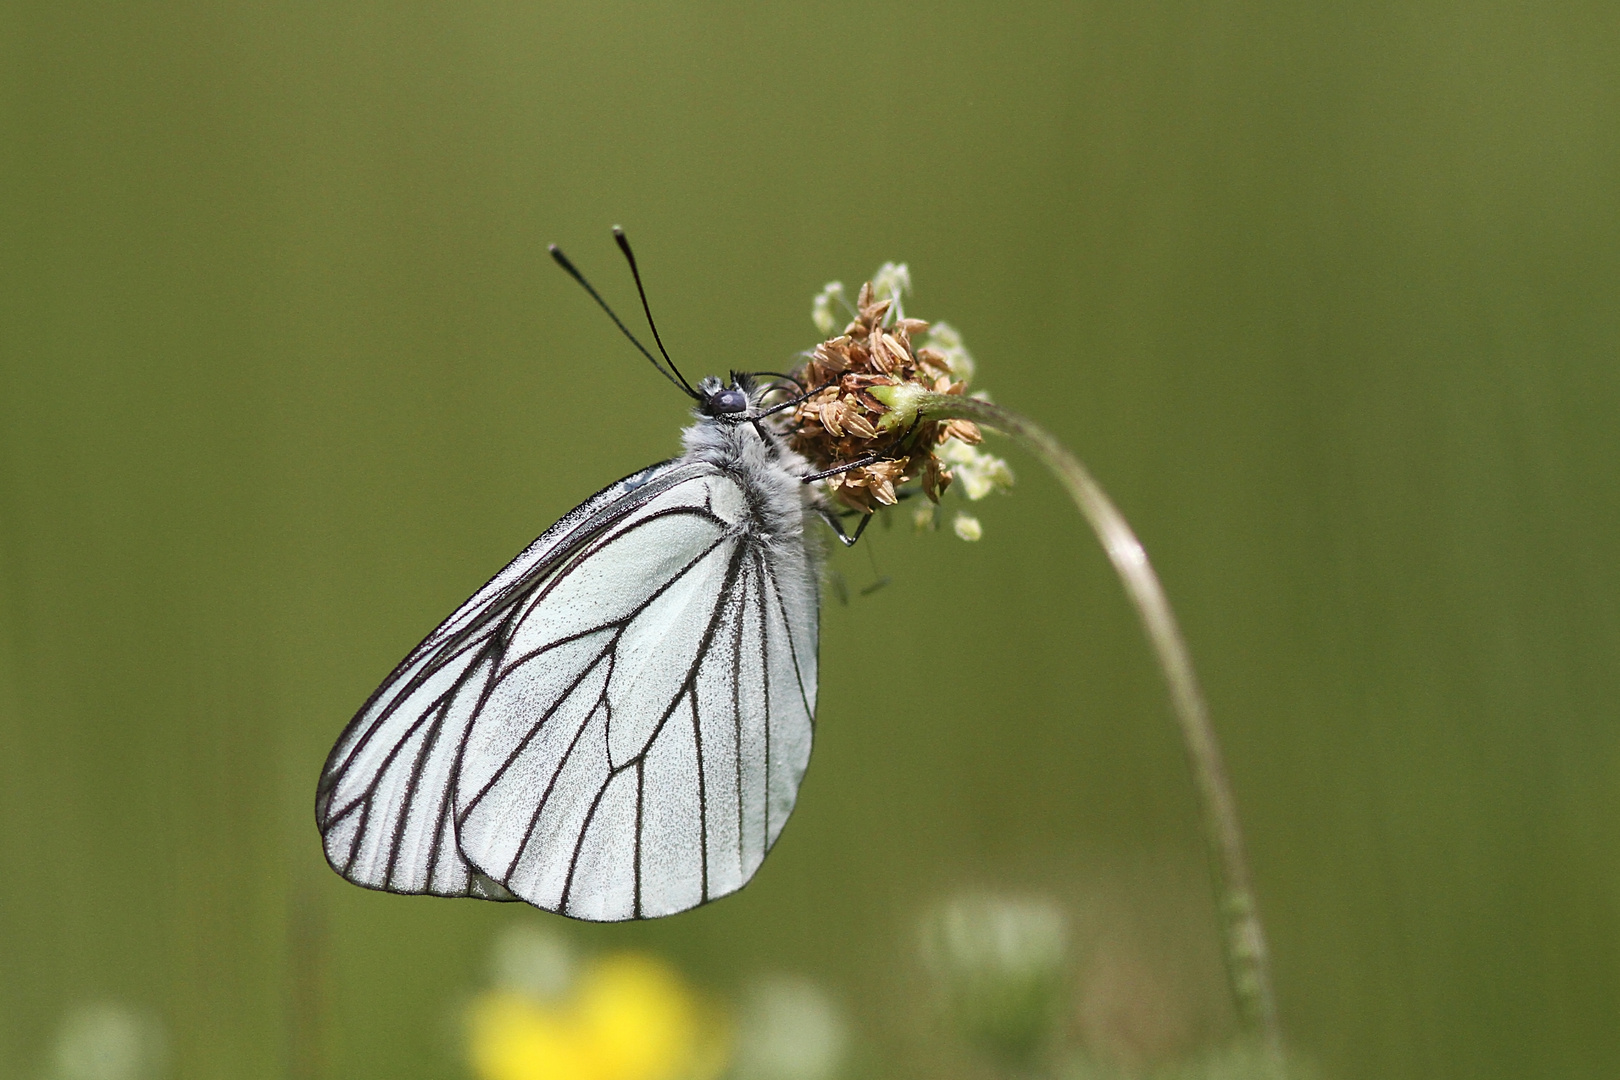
(855,419)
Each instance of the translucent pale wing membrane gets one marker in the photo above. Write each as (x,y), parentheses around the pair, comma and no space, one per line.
(394,763)
(614,727)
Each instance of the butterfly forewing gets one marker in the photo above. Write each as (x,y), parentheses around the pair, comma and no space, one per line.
(384,800)
(614,727)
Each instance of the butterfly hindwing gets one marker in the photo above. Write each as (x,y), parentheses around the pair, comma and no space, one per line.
(590,785)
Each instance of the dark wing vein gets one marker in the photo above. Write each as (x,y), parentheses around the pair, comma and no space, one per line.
(552,583)
(686,688)
(736,720)
(616,625)
(540,804)
(792,645)
(765,681)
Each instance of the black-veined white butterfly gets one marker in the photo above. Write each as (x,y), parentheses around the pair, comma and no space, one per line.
(616,725)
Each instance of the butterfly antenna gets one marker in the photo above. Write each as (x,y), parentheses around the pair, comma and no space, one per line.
(630,257)
(573,272)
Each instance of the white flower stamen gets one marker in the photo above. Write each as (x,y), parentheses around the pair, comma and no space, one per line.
(979,473)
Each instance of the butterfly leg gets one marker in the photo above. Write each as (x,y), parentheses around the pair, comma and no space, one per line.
(838,526)
(858,463)
(895,453)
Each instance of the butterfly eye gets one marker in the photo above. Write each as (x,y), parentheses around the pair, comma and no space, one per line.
(730,400)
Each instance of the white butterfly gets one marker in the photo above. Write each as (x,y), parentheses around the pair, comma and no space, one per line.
(616,725)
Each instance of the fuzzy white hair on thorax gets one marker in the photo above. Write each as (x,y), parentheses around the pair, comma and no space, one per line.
(761,463)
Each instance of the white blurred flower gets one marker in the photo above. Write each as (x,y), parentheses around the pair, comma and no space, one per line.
(892,282)
(1001,964)
(533,961)
(108,1041)
(1000,937)
(944,339)
(978,472)
(967,527)
(822,313)
(790,1029)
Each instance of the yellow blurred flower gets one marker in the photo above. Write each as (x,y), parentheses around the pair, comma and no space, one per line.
(629,1017)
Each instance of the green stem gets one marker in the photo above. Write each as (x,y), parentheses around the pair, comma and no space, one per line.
(1247,963)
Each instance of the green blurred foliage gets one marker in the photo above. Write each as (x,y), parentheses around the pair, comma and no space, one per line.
(1236,1062)
(1324,294)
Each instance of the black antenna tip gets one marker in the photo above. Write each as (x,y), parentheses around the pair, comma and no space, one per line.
(624,246)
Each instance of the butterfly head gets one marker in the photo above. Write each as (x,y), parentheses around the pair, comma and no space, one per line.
(716,399)
(726,402)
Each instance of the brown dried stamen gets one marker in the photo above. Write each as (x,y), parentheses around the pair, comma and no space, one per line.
(842,422)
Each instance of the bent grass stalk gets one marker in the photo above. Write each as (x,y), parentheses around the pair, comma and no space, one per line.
(1247,961)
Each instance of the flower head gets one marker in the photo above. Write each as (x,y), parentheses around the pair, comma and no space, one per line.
(790,1029)
(1001,967)
(107,1041)
(855,422)
(627,1016)
(821,312)
(980,473)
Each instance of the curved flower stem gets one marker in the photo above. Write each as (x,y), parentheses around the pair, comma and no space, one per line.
(1247,963)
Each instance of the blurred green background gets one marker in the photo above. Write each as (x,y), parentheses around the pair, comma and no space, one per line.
(1325,294)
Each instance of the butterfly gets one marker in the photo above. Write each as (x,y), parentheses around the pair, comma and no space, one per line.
(617,724)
